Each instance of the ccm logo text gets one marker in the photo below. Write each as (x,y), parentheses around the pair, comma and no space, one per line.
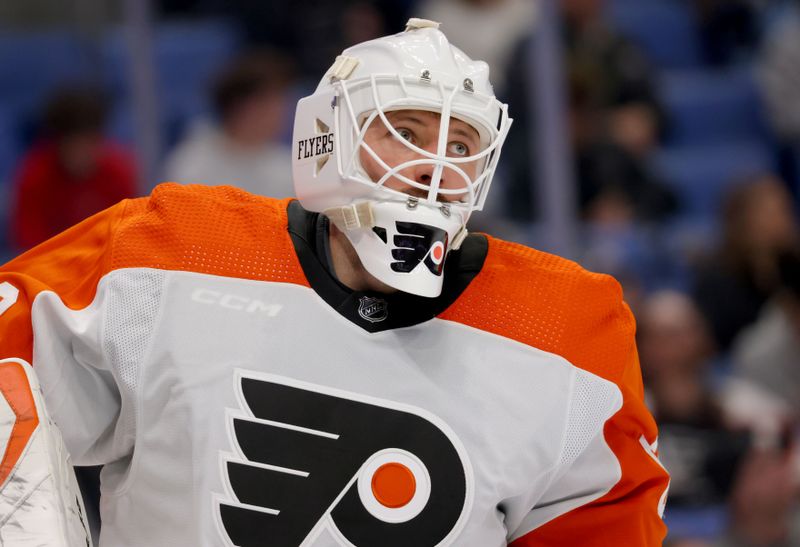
(235,302)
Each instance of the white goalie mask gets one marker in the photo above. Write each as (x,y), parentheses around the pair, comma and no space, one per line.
(404,213)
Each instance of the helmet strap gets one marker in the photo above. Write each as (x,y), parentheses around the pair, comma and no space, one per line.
(459,238)
(351,217)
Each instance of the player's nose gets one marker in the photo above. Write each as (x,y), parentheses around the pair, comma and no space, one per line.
(424,173)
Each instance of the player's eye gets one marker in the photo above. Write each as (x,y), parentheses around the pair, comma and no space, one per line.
(406,134)
(458,149)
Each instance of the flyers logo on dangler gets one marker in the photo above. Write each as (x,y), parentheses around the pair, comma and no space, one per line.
(419,243)
(310,458)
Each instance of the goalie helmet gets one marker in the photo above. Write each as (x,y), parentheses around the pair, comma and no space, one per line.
(401,228)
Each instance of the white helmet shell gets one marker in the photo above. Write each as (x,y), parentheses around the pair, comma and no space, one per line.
(414,70)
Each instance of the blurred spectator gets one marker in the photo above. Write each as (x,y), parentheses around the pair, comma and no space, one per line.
(615,188)
(611,89)
(615,122)
(484,29)
(675,349)
(311,31)
(701,453)
(779,70)
(763,394)
(72,172)
(728,29)
(763,391)
(763,504)
(732,284)
(780,74)
(251,99)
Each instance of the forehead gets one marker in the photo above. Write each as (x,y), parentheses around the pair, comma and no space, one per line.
(429,119)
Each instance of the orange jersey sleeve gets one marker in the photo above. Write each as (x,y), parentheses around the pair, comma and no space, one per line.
(554,305)
(69,264)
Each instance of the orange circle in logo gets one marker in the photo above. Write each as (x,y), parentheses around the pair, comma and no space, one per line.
(393,485)
(438,252)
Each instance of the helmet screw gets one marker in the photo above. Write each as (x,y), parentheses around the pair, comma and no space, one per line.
(445,209)
(468,85)
(426,75)
(412,203)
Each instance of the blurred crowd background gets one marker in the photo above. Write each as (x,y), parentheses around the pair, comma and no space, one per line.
(665,134)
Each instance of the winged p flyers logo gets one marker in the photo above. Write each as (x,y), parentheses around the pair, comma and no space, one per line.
(419,243)
(310,458)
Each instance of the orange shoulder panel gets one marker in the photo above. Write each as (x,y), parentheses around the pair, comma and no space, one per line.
(217,230)
(550,303)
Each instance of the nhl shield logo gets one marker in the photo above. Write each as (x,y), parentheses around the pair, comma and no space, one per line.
(372,309)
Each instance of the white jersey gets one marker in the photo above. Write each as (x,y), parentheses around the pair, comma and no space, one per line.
(237,394)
